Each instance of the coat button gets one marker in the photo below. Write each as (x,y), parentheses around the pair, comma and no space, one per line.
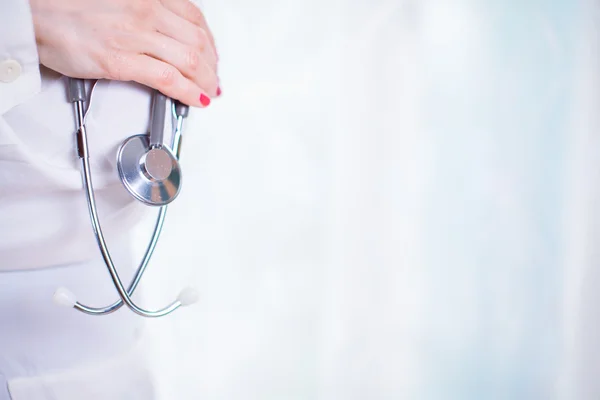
(10,70)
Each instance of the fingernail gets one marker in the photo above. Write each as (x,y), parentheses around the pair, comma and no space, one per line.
(204,100)
(219,91)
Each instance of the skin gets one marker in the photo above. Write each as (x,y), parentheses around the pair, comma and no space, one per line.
(163,44)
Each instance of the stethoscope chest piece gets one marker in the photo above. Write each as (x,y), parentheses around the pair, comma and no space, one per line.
(147,167)
(150,173)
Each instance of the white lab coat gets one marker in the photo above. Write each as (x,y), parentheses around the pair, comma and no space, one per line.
(404,208)
(46,239)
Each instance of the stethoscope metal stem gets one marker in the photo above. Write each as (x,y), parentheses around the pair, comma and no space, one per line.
(179,112)
(177,136)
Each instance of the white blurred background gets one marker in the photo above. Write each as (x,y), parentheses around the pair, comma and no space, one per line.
(392,200)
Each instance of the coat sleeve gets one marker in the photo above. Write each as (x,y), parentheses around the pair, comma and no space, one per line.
(19,62)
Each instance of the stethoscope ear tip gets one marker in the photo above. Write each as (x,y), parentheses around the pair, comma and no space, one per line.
(64,297)
(188,296)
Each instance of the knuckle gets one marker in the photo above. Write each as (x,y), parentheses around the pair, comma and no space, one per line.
(129,25)
(166,77)
(112,42)
(192,59)
(201,40)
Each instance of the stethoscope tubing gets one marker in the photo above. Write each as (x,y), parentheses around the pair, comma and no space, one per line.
(77,96)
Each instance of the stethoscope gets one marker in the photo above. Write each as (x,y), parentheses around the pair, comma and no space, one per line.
(151,173)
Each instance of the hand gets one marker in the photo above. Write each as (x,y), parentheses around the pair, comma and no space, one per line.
(163,44)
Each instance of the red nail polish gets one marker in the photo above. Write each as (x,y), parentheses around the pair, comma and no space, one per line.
(204,100)
(219,91)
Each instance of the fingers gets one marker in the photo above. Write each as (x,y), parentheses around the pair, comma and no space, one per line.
(175,54)
(156,74)
(188,60)
(188,10)
(183,31)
